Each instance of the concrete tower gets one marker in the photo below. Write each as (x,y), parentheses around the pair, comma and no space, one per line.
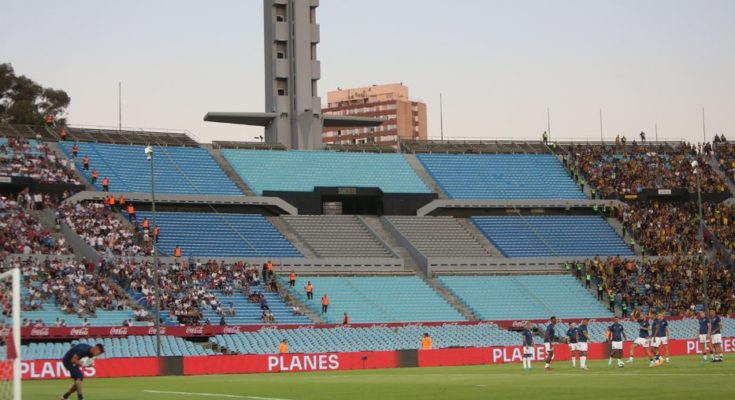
(293,108)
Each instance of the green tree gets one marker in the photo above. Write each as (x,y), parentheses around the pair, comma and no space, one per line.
(23,101)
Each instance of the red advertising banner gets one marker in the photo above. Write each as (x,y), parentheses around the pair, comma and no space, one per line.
(103,368)
(243,364)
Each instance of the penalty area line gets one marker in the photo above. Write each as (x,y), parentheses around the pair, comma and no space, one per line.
(220,395)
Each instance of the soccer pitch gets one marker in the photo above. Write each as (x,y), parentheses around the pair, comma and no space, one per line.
(683,378)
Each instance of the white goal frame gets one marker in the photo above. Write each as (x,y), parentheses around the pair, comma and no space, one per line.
(14,276)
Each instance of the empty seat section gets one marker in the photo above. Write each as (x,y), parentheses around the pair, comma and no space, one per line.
(131,346)
(536,236)
(501,176)
(524,296)
(220,235)
(178,170)
(376,299)
(337,236)
(248,313)
(438,236)
(301,171)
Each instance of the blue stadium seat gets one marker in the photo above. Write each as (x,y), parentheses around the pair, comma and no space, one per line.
(247,313)
(179,170)
(535,236)
(301,171)
(501,176)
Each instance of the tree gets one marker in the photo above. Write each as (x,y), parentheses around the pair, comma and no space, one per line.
(23,101)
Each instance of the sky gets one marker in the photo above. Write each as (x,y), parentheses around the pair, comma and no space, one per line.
(498,64)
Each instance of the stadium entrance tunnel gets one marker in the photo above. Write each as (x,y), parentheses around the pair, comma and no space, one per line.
(354,201)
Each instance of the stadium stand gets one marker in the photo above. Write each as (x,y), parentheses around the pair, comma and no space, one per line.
(524,296)
(131,346)
(376,299)
(533,236)
(473,147)
(220,235)
(337,236)
(178,170)
(304,170)
(663,228)
(438,236)
(22,233)
(501,176)
(249,312)
(34,159)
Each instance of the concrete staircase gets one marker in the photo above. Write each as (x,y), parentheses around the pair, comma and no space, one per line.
(716,167)
(234,177)
(54,147)
(424,175)
(410,264)
(292,237)
(292,300)
(470,227)
(618,227)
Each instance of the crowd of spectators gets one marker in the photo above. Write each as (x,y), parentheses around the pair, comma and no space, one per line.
(615,171)
(725,152)
(672,284)
(663,228)
(22,157)
(103,229)
(21,232)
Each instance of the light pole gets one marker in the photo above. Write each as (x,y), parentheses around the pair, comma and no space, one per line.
(156,286)
(705,301)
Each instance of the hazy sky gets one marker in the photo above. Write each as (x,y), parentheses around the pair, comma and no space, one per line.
(498,64)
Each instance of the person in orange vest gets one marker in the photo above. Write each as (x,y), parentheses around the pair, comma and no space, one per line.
(309,291)
(283,347)
(292,279)
(75,151)
(63,133)
(146,225)
(426,342)
(345,319)
(49,120)
(325,303)
(111,202)
(94,176)
(177,251)
(85,163)
(121,202)
(105,184)
(155,233)
(131,213)
(269,269)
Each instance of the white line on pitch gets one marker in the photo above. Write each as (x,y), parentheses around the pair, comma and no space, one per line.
(228,396)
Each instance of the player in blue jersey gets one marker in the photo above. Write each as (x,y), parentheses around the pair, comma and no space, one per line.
(572,341)
(704,335)
(527,335)
(616,337)
(73,363)
(549,339)
(583,337)
(644,336)
(661,335)
(716,336)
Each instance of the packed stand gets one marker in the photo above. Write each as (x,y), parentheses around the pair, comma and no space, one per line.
(615,171)
(103,229)
(663,228)
(23,157)
(21,232)
(673,285)
(725,152)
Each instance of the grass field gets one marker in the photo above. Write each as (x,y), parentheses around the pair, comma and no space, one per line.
(683,378)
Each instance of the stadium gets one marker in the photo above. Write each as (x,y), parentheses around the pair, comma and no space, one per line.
(338,256)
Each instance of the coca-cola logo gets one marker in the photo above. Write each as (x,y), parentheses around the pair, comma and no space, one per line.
(228,330)
(79,331)
(451,324)
(194,330)
(121,331)
(40,332)
(305,327)
(414,324)
(518,324)
(269,327)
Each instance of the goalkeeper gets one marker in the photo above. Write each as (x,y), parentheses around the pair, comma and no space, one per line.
(80,356)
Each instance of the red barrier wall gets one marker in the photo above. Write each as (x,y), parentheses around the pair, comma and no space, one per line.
(241,364)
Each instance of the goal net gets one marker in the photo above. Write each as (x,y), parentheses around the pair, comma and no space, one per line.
(10,335)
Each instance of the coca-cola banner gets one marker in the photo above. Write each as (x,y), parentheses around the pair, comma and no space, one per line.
(243,364)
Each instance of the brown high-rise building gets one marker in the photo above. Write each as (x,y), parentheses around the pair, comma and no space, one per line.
(403,118)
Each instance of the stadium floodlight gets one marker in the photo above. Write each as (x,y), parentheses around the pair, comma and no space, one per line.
(156,285)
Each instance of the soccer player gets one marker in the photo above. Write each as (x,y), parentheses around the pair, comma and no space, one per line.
(616,334)
(704,335)
(72,363)
(527,346)
(549,339)
(716,336)
(582,338)
(572,341)
(644,336)
(661,337)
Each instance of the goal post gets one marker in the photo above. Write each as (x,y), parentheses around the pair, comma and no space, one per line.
(10,336)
